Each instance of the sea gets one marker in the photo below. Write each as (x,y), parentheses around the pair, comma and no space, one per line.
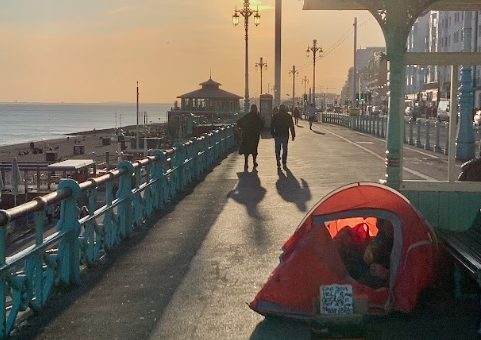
(32,122)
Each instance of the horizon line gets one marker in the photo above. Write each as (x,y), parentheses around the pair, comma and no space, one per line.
(78,103)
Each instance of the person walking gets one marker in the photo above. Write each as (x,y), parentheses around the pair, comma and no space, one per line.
(251,125)
(297,115)
(280,126)
(311,114)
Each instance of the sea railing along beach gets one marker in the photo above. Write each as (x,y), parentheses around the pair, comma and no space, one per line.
(422,133)
(116,203)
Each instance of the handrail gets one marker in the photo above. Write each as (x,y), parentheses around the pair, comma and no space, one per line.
(424,134)
(140,187)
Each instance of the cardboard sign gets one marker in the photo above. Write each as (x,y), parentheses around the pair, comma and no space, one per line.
(336,299)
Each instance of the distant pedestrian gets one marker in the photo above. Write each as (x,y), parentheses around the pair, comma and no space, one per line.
(280,126)
(275,110)
(251,125)
(311,114)
(297,115)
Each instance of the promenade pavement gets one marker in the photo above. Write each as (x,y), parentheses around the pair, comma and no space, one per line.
(190,273)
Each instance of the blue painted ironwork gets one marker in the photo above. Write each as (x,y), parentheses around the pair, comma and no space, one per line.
(446,146)
(427,144)
(465,135)
(437,145)
(418,134)
(118,201)
(422,139)
(411,133)
(383,134)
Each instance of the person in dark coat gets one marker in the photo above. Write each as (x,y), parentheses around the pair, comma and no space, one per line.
(280,126)
(251,125)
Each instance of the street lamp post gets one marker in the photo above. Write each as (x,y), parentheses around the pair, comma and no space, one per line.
(293,72)
(261,64)
(314,49)
(246,12)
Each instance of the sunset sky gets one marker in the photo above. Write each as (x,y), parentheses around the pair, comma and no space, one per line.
(95,50)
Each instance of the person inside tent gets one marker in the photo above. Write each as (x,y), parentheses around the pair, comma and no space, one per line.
(367,259)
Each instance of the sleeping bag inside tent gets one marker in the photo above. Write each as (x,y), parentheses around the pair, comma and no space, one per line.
(365,235)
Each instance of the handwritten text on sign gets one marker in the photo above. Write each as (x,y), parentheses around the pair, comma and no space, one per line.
(336,299)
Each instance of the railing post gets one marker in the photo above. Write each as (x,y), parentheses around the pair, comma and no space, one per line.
(125,195)
(216,147)
(427,145)
(189,159)
(411,137)
(382,127)
(160,189)
(179,160)
(111,232)
(446,144)
(91,240)
(437,146)
(69,247)
(137,203)
(418,134)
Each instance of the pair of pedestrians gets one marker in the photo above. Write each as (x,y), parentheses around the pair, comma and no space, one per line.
(251,125)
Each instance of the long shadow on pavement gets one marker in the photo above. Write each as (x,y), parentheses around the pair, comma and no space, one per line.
(249,192)
(135,280)
(318,132)
(291,190)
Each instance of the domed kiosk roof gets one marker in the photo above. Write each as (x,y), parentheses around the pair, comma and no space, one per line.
(210,89)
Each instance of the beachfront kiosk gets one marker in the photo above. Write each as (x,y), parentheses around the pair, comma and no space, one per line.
(207,105)
(77,169)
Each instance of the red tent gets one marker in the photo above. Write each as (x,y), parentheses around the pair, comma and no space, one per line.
(310,257)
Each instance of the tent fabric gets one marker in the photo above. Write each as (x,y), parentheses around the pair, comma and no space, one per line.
(310,257)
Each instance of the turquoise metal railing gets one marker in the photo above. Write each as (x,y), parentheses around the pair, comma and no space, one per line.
(423,133)
(118,201)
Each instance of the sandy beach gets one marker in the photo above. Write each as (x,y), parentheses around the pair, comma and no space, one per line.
(64,147)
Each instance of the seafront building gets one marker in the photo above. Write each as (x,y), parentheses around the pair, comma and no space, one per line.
(364,57)
(435,31)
